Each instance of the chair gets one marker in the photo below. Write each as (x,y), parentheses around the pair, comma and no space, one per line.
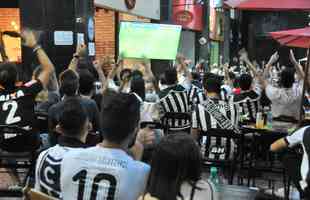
(170,122)
(31,194)
(262,161)
(14,161)
(222,155)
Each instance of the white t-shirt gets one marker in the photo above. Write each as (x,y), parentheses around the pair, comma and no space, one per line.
(47,175)
(297,138)
(285,102)
(101,173)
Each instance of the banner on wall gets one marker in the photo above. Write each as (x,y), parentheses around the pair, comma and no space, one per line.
(188,13)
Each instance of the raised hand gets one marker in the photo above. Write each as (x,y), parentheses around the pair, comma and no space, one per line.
(292,58)
(81,50)
(243,55)
(29,38)
(274,58)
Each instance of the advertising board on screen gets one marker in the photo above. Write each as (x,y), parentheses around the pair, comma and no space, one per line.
(148,40)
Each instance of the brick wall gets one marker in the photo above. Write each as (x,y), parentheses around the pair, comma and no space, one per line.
(7,16)
(105,33)
(10,21)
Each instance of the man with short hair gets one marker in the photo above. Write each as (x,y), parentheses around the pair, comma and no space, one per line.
(73,124)
(107,171)
(213,113)
(17,100)
(201,118)
(248,101)
(69,86)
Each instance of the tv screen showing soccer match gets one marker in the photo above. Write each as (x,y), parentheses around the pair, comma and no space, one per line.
(147,40)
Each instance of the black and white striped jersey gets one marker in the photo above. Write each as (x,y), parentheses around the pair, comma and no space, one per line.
(193,92)
(201,96)
(203,120)
(248,104)
(177,102)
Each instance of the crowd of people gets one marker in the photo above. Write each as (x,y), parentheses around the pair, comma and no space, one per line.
(96,145)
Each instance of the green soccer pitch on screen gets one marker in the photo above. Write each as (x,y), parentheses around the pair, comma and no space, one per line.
(147,40)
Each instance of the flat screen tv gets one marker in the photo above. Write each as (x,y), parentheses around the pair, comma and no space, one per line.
(148,40)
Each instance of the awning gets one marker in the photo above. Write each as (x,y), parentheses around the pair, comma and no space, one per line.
(269,5)
(293,38)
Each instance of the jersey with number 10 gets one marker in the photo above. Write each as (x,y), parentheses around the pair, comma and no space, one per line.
(102,174)
(17,106)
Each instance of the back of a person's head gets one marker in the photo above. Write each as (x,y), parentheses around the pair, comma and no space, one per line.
(162,79)
(176,159)
(8,75)
(212,84)
(138,86)
(120,115)
(287,77)
(125,73)
(69,82)
(73,118)
(245,82)
(87,64)
(86,81)
(195,76)
(171,76)
(136,74)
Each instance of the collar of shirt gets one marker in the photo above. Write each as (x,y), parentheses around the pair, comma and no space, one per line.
(70,142)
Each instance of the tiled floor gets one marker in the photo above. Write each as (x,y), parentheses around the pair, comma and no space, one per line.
(6,181)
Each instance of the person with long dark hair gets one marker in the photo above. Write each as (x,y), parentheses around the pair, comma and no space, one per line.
(176,168)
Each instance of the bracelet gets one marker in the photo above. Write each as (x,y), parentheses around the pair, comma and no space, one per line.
(36,48)
(76,56)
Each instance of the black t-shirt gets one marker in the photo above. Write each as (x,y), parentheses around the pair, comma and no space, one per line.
(90,106)
(17,106)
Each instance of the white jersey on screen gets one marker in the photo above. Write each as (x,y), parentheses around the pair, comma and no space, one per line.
(102,174)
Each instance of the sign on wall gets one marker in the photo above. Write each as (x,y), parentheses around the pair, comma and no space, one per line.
(188,13)
(144,8)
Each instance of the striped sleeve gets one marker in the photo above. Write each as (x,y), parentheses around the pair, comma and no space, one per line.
(195,123)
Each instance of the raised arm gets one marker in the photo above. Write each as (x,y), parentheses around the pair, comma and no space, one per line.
(79,53)
(30,40)
(182,65)
(227,77)
(149,76)
(244,57)
(298,67)
(113,72)
(99,65)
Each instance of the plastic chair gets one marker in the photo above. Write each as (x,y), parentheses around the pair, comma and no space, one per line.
(171,122)
(222,155)
(14,161)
